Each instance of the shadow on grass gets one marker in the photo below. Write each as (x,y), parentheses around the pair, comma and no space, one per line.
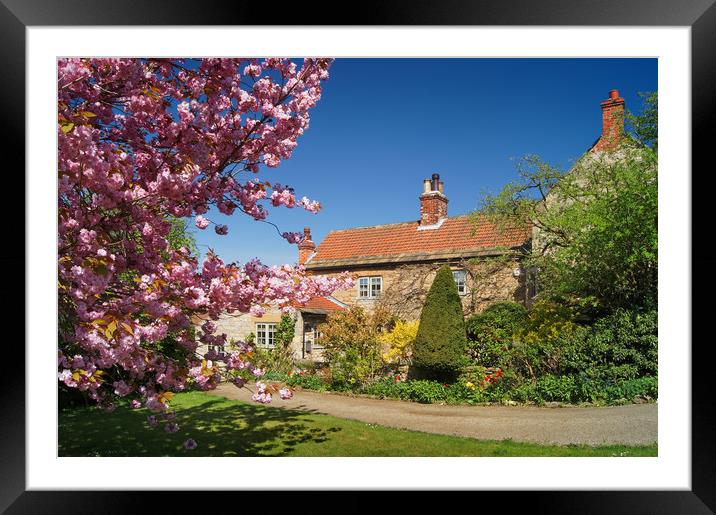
(220,427)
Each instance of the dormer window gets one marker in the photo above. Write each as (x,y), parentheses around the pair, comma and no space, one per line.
(370,287)
(460,277)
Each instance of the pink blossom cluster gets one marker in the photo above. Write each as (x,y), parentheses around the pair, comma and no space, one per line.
(141,141)
(261,395)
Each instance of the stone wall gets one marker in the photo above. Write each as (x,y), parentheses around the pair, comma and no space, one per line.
(238,326)
(405,287)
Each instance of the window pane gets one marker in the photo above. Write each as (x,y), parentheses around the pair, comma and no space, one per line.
(376,284)
(459,276)
(260,334)
(363,287)
(271,332)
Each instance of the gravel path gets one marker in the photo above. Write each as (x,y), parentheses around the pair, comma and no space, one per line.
(635,424)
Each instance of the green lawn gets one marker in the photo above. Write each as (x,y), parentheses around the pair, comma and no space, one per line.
(224,427)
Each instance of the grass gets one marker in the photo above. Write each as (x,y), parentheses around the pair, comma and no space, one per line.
(224,427)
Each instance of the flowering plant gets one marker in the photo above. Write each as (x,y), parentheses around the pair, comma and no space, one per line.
(141,141)
(399,341)
(493,377)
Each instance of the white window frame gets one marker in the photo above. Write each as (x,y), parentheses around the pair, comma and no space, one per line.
(219,349)
(463,272)
(366,284)
(268,339)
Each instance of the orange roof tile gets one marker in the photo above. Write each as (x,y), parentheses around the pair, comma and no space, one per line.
(454,235)
(322,303)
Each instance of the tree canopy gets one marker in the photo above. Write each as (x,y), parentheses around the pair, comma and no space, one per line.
(142,145)
(596,224)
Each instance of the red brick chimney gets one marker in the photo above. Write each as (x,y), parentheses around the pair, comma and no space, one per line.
(306,247)
(433,202)
(612,122)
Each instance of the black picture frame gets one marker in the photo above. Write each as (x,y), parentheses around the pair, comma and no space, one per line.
(699,15)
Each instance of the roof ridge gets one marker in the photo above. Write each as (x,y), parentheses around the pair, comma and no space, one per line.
(464,215)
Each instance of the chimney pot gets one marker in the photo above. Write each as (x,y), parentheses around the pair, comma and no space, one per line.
(426,185)
(436,179)
(614,93)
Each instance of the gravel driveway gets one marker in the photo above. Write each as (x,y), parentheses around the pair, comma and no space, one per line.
(634,424)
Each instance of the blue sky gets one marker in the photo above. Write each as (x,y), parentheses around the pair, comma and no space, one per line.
(383,125)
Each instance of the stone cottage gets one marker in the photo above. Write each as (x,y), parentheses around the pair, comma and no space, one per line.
(394,264)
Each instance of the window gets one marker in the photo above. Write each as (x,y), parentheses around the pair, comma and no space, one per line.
(376,285)
(460,277)
(265,335)
(370,287)
(219,349)
(311,337)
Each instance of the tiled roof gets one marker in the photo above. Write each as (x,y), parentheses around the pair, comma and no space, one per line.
(321,304)
(452,237)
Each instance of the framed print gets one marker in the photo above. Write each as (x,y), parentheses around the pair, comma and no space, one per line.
(524,72)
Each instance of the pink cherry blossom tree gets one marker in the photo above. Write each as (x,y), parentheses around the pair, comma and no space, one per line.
(142,141)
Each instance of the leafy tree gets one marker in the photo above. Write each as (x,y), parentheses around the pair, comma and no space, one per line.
(595,233)
(440,341)
(644,126)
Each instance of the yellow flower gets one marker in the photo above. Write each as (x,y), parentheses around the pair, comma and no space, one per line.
(470,385)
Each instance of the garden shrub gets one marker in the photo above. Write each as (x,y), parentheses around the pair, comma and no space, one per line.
(549,388)
(307,381)
(440,341)
(422,391)
(540,340)
(425,391)
(272,375)
(581,388)
(556,388)
(351,344)
(399,341)
(552,359)
(631,388)
(623,345)
(490,332)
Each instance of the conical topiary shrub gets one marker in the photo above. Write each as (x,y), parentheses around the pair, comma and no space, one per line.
(440,342)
